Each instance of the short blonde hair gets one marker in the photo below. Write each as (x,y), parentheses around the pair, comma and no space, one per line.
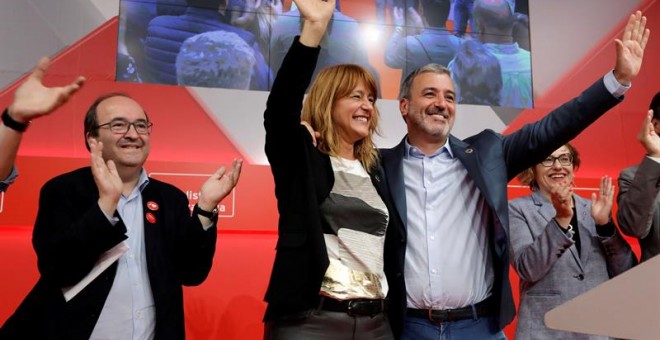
(332,84)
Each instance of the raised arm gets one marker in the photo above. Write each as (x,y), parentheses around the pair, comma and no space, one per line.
(525,147)
(284,134)
(31,100)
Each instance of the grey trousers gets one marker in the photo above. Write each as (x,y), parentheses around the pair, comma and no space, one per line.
(325,325)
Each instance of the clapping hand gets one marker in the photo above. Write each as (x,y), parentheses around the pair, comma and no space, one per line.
(106,178)
(219,185)
(648,137)
(561,197)
(601,204)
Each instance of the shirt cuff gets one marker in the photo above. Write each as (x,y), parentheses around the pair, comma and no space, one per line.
(112,219)
(207,227)
(9,180)
(613,86)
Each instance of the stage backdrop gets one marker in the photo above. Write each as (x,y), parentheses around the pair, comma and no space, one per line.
(198,129)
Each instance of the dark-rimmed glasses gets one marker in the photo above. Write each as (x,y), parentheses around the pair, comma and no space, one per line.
(564,159)
(121,126)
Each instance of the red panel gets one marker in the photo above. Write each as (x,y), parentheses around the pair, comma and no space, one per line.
(610,144)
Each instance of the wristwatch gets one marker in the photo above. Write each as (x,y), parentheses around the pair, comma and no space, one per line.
(212,215)
(12,124)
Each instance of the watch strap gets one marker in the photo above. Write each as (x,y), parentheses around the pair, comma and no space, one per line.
(212,215)
(12,124)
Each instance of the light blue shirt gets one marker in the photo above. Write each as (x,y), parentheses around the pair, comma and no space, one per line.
(448,261)
(129,311)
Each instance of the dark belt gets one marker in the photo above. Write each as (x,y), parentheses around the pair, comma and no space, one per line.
(357,307)
(483,308)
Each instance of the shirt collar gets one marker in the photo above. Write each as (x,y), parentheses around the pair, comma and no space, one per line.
(144,180)
(413,151)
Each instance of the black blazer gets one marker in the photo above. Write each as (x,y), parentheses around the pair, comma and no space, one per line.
(491,160)
(71,232)
(303,179)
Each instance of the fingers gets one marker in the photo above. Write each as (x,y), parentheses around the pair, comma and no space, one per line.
(236,170)
(112,167)
(632,28)
(219,173)
(40,69)
(314,134)
(645,38)
(67,91)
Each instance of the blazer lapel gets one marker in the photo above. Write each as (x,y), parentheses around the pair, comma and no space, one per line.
(467,154)
(393,166)
(584,223)
(152,219)
(548,212)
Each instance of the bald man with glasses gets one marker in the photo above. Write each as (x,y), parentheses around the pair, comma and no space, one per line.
(83,215)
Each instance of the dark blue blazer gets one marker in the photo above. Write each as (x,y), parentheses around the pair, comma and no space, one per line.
(491,160)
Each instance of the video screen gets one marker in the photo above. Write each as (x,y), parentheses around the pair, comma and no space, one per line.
(240,44)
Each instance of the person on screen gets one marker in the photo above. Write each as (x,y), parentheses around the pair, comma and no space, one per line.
(215,59)
(561,244)
(447,266)
(434,44)
(341,45)
(477,73)
(327,280)
(521,31)
(88,213)
(166,34)
(639,194)
(257,17)
(17,117)
(493,21)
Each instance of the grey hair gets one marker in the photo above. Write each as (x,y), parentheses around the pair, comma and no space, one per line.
(406,85)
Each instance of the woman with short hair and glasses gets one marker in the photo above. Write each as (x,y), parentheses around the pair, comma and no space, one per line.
(562,245)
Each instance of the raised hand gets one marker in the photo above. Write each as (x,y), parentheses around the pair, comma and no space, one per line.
(648,137)
(398,18)
(316,10)
(630,49)
(32,99)
(106,178)
(561,197)
(316,15)
(414,20)
(601,205)
(219,185)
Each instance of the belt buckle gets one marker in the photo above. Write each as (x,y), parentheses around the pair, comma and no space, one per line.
(363,308)
(442,318)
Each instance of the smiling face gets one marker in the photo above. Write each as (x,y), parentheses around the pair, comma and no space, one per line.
(352,114)
(430,110)
(128,150)
(547,177)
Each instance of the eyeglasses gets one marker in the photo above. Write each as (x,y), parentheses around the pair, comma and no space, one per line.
(564,159)
(121,126)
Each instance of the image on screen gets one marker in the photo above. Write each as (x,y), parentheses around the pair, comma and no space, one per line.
(240,44)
